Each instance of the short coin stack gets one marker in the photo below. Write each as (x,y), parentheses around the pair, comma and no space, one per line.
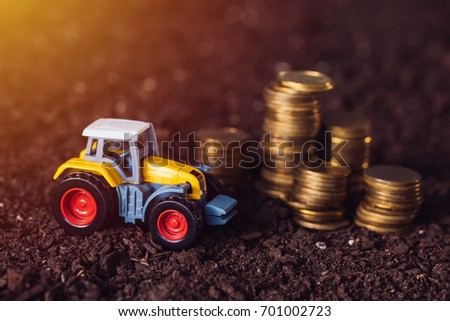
(318,197)
(349,143)
(392,199)
(292,119)
(221,152)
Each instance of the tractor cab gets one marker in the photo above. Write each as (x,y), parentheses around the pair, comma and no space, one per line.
(122,143)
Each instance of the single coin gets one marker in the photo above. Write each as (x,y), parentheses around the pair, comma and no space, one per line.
(397,197)
(395,189)
(347,124)
(361,142)
(377,218)
(392,175)
(394,206)
(371,208)
(328,213)
(383,229)
(267,190)
(305,81)
(322,226)
(279,90)
(317,218)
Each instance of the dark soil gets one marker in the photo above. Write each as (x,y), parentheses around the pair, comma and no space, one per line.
(190,64)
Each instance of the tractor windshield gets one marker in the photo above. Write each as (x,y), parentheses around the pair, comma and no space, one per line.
(125,154)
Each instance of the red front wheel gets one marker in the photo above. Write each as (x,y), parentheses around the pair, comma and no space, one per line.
(175,222)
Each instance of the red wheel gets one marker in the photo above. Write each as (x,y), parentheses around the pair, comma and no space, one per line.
(78,207)
(172,225)
(175,222)
(83,203)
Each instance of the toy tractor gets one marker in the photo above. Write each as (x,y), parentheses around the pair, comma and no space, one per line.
(120,171)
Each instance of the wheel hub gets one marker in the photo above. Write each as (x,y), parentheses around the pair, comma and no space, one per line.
(78,207)
(172,225)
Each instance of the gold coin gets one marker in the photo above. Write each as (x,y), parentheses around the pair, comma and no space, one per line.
(377,218)
(347,125)
(288,102)
(323,226)
(297,129)
(278,90)
(278,178)
(325,173)
(387,211)
(317,215)
(409,198)
(294,204)
(297,204)
(393,206)
(326,213)
(292,119)
(317,218)
(339,189)
(308,187)
(318,203)
(352,164)
(305,81)
(269,191)
(413,188)
(392,175)
(321,194)
(302,97)
(382,228)
(358,142)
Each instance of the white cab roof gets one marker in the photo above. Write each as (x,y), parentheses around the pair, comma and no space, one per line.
(117,129)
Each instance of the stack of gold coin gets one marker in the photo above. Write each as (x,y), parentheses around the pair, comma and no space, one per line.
(292,121)
(392,199)
(348,142)
(220,151)
(318,195)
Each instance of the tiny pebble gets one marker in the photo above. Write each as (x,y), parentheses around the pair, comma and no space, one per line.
(321,245)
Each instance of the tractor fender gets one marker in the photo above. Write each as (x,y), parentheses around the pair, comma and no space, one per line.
(164,192)
(105,170)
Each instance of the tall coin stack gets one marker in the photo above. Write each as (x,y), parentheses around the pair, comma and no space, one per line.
(292,119)
(318,195)
(349,143)
(392,199)
(221,152)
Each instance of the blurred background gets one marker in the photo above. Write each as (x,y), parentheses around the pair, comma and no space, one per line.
(190,64)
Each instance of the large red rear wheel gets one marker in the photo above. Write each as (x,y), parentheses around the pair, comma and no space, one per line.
(83,203)
(175,222)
